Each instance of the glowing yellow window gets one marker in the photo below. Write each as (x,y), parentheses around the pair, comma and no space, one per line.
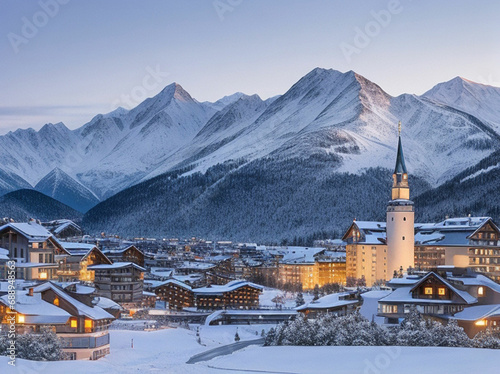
(428,290)
(481,322)
(20,318)
(442,291)
(73,323)
(480,291)
(56,301)
(88,323)
(42,275)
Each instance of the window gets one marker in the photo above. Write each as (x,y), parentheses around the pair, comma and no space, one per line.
(56,301)
(88,323)
(480,291)
(404,218)
(40,257)
(403,238)
(428,290)
(74,323)
(442,291)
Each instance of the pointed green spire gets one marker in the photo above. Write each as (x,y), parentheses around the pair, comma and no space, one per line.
(400,160)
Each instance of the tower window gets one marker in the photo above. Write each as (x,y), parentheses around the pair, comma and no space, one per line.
(404,218)
(403,238)
(392,219)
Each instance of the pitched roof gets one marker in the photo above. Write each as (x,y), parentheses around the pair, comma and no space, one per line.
(465,296)
(473,313)
(94,312)
(36,310)
(115,265)
(231,286)
(334,300)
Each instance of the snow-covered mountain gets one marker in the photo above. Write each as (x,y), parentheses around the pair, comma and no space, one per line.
(60,186)
(480,100)
(342,120)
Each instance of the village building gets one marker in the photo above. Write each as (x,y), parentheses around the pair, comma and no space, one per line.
(63,228)
(73,267)
(81,325)
(121,282)
(339,304)
(35,250)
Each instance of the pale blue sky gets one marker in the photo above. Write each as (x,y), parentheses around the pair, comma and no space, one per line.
(90,54)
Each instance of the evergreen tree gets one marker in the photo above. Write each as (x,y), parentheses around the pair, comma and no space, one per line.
(299,300)
(316,293)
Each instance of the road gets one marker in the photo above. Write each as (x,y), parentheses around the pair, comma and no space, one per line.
(224,350)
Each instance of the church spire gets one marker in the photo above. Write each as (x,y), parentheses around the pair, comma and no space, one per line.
(400,160)
(400,187)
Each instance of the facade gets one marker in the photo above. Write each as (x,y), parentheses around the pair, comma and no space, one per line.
(237,294)
(63,228)
(81,325)
(366,251)
(34,249)
(81,255)
(128,254)
(121,282)
(450,293)
(310,267)
(234,295)
(177,294)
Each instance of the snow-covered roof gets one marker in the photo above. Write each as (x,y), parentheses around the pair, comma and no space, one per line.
(32,230)
(477,280)
(334,300)
(196,265)
(146,293)
(94,312)
(172,281)
(473,313)
(469,299)
(106,303)
(115,265)
(72,246)
(36,310)
(298,255)
(231,286)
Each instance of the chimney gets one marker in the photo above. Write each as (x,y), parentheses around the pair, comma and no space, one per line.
(30,292)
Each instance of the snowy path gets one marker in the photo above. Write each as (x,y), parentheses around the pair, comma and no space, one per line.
(222,351)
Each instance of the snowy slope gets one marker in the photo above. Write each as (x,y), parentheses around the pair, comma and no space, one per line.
(60,186)
(480,100)
(342,118)
(11,182)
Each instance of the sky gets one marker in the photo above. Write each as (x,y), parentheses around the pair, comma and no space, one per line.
(68,60)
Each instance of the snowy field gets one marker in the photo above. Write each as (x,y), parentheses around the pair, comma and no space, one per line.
(166,351)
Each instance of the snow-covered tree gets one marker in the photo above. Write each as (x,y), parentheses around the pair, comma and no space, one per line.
(487,339)
(316,292)
(299,300)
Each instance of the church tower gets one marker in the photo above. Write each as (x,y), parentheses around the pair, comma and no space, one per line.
(400,219)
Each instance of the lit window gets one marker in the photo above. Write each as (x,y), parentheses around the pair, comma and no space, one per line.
(480,291)
(56,301)
(428,290)
(481,322)
(42,275)
(73,323)
(20,318)
(442,291)
(88,323)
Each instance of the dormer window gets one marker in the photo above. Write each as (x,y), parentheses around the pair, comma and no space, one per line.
(56,301)
(480,291)
(428,290)
(441,291)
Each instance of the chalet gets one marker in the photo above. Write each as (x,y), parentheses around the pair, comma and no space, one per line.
(35,250)
(121,282)
(81,325)
(455,293)
(237,294)
(63,228)
(81,255)
(177,294)
(127,254)
(339,304)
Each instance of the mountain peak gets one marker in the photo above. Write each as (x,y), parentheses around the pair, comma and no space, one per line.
(176,91)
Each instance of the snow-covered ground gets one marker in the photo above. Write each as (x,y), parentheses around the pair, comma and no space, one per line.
(166,351)
(268,294)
